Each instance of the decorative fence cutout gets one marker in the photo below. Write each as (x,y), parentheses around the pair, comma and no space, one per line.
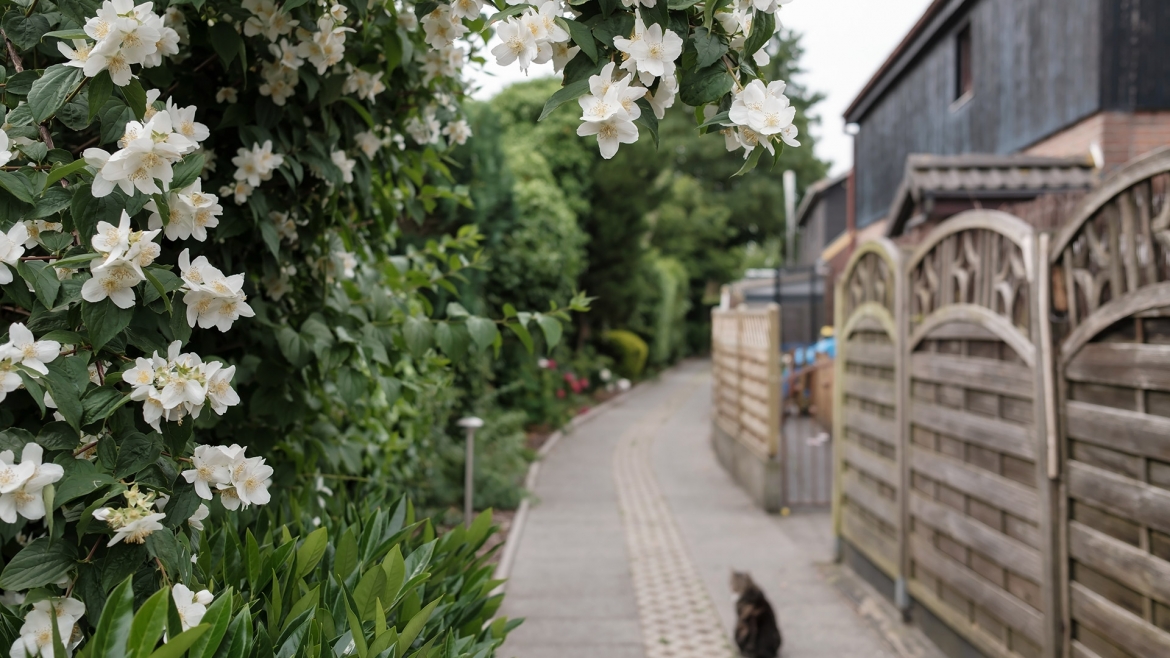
(1003,423)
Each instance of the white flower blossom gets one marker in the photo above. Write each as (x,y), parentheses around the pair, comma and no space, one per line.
(256,165)
(457,132)
(345,164)
(26,350)
(516,44)
(192,212)
(441,31)
(227,95)
(267,19)
(368,143)
(11,249)
(191,606)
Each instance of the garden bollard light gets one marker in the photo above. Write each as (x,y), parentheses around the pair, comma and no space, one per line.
(471,423)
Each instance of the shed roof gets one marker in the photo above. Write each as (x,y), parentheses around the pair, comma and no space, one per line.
(983,176)
(912,45)
(814,193)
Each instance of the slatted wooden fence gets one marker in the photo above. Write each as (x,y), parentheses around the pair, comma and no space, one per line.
(745,349)
(1003,416)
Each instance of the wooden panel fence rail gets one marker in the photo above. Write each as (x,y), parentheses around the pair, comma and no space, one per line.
(1002,425)
(745,349)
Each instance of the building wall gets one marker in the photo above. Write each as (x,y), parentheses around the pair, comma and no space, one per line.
(1122,137)
(1134,64)
(1036,67)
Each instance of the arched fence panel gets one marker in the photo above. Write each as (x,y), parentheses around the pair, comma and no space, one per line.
(867,502)
(1111,309)
(977,501)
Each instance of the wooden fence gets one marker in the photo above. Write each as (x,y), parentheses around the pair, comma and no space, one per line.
(1002,419)
(745,353)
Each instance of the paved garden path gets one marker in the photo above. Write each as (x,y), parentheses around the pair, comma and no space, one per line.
(628,547)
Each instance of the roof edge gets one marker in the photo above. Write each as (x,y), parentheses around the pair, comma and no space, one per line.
(814,192)
(919,29)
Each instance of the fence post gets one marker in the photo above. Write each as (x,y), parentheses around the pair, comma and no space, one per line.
(775,404)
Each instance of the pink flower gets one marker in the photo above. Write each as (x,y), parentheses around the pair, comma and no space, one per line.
(561,393)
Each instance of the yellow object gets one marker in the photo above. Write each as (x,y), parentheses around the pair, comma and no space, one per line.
(827,331)
(784,511)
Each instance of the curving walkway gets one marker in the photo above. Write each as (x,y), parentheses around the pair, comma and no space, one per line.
(628,547)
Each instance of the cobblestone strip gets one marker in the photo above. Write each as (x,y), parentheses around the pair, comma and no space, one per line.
(677,616)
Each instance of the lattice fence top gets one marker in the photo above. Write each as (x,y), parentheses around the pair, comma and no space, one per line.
(871,277)
(1117,243)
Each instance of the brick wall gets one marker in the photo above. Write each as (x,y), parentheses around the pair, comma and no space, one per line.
(1122,137)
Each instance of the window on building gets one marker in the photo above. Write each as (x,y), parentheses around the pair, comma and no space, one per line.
(964,81)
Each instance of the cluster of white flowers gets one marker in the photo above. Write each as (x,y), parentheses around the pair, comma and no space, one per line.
(253,166)
(192,212)
(532,38)
(365,85)
(759,114)
(323,49)
(212,299)
(179,386)
(135,522)
(148,150)
(22,349)
(445,62)
(21,483)
(190,605)
(36,635)
(609,110)
(444,24)
(240,481)
(124,35)
(122,253)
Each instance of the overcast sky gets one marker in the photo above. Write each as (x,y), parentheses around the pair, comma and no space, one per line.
(845,41)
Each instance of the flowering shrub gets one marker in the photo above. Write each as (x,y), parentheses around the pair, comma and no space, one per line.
(207,297)
(625,63)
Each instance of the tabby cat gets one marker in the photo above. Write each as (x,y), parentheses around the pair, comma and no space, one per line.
(756,631)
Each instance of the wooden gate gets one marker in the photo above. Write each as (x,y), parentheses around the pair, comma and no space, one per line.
(1111,301)
(867,505)
(978,496)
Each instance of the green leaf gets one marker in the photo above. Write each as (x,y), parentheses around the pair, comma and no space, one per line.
(239,636)
(552,329)
(419,334)
(369,588)
(217,618)
(165,547)
(81,479)
(67,35)
(34,389)
(136,453)
(158,286)
(101,87)
(522,333)
(38,564)
(104,320)
(176,436)
(679,5)
(64,170)
(187,171)
(18,186)
(763,27)
(310,552)
(67,399)
(184,502)
(483,331)
(647,119)
(717,119)
(226,42)
(582,36)
(362,112)
(705,86)
(750,162)
(709,46)
(48,93)
(58,435)
(25,31)
(453,339)
(303,604)
(571,92)
(99,403)
(294,348)
(43,279)
(148,624)
(345,559)
(414,627)
(178,645)
(135,97)
(508,13)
